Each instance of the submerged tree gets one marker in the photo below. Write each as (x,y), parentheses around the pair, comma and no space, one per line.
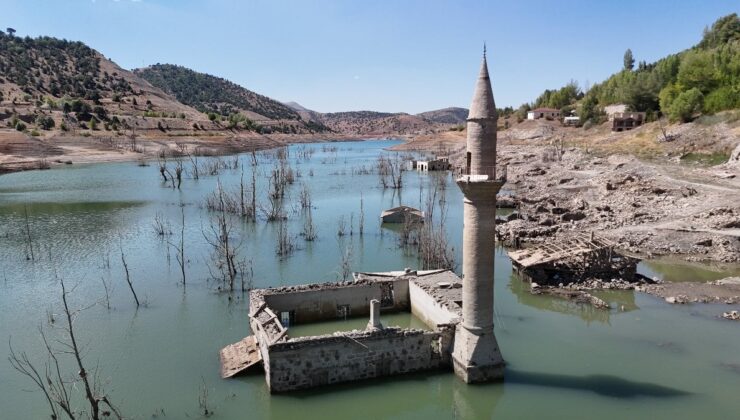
(59,387)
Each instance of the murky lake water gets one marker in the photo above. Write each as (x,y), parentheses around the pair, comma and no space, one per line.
(642,359)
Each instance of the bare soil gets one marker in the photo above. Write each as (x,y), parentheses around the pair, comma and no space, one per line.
(20,151)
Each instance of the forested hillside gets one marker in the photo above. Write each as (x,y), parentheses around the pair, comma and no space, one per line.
(208,93)
(701,79)
(50,66)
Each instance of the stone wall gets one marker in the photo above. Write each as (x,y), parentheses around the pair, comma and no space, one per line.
(426,308)
(341,357)
(321,303)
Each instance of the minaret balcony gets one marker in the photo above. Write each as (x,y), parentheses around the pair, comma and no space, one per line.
(486,173)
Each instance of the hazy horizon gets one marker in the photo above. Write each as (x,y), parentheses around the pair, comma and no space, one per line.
(412,56)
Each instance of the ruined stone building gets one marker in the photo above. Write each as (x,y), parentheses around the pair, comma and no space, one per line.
(458,313)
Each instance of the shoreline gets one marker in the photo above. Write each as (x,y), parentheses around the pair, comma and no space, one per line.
(44,153)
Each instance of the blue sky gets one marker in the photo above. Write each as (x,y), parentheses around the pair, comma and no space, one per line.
(401,55)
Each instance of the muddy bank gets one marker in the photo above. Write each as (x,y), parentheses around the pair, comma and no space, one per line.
(19,151)
(725,291)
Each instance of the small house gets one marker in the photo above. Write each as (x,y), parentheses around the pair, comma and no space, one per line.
(402,214)
(622,121)
(441,163)
(547,113)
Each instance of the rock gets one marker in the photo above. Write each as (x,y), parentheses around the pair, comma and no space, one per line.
(547,222)
(573,216)
(705,242)
(732,315)
(506,202)
(735,155)
(688,191)
(727,280)
(724,175)
(677,299)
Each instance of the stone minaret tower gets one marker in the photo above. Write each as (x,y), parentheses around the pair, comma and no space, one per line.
(476,355)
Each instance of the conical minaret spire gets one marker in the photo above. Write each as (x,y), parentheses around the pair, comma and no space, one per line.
(483,106)
(482,120)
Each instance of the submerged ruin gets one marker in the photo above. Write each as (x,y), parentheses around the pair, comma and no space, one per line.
(574,259)
(458,312)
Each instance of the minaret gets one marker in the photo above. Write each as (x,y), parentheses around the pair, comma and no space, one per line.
(476,355)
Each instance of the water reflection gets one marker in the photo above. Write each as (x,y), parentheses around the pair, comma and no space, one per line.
(680,271)
(622,300)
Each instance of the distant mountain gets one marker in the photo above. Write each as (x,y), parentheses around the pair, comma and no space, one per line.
(53,87)
(452,115)
(380,123)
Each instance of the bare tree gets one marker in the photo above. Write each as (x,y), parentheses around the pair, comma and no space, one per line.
(161,225)
(304,197)
(224,257)
(179,247)
(203,400)
(362,215)
(285,242)
(29,239)
(341,226)
(107,288)
(128,277)
(345,264)
(309,229)
(58,387)
(178,172)
(390,171)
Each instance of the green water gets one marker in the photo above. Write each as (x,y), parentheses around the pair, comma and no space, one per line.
(642,359)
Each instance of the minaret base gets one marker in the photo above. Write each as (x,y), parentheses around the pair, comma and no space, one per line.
(476,356)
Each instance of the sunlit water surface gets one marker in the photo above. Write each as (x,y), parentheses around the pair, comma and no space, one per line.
(642,359)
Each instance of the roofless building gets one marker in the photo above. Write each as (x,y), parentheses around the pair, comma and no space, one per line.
(458,314)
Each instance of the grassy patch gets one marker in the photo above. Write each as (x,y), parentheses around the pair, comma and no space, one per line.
(728,117)
(709,159)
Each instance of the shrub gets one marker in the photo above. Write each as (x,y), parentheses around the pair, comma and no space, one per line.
(44,122)
(667,95)
(20,126)
(101,112)
(35,133)
(726,97)
(686,105)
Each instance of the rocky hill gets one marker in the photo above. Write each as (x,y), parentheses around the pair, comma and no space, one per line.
(452,115)
(384,123)
(375,123)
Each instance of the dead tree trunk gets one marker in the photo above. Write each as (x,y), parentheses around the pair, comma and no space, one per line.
(128,278)
(29,238)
